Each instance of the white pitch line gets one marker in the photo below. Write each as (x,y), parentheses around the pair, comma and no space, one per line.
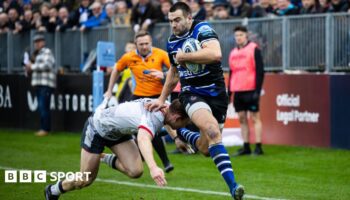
(180,189)
(166,188)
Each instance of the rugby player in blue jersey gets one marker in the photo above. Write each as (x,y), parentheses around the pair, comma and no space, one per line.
(203,91)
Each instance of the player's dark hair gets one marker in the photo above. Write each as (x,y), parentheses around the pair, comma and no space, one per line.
(141,34)
(186,10)
(177,108)
(240,28)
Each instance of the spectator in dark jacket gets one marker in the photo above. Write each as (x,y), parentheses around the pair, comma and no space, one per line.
(63,22)
(240,9)
(310,7)
(198,11)
(81,14)
(13,19)
(45,17)
(9,4)
(144,15)
(338,6)
(165,7)
(51,25)
(262,9)
(56,3)
(26,23)
(36,4)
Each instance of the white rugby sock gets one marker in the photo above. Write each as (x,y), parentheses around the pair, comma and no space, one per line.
(55,189)
(110,159)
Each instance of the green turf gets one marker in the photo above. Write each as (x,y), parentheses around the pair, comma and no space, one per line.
(283,172)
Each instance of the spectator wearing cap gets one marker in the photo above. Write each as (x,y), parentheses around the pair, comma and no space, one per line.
(240,9)
(4,23)
(43,79)
(221,11)
(123,15)
(144,15)
(198,11)
(338,6)
(285,7)
(262,9)
(310,7)
(98,18)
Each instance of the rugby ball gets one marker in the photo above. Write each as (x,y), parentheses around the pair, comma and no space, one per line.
(192,45)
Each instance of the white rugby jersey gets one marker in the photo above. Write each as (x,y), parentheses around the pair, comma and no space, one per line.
(125,119)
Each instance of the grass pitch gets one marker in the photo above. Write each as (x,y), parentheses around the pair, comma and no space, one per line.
(282,173)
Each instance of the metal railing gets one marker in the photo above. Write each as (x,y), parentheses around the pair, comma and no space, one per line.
(303,42)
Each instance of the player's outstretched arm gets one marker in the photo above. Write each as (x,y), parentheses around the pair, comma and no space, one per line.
(169,85)
(210,53)
(112,80)
(144,141)
(183,147)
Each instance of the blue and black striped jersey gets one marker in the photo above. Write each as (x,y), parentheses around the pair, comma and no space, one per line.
(210,80)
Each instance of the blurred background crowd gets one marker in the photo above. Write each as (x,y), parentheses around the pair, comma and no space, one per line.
(18,16)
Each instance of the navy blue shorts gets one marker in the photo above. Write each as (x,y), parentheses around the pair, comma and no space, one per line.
(218,104)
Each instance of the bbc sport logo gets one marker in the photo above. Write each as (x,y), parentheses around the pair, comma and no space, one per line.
(42,176)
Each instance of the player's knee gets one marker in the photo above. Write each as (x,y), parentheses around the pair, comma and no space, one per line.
(135,173)
(213,131)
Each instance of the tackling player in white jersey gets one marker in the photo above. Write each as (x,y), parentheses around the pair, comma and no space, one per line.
(114,127)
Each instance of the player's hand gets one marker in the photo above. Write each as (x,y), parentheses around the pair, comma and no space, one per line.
(183,147)
(155,105)
(180,57)
(107,94)
(155,74)
(158,176)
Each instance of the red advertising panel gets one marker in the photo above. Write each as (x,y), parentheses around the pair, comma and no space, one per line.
(295,110)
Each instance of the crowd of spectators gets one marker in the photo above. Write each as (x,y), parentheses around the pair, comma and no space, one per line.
(59,15)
